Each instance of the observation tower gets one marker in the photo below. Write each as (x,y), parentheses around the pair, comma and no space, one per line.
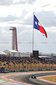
(14,38)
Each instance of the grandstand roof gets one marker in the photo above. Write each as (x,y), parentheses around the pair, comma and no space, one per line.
(12,51)
(3,53)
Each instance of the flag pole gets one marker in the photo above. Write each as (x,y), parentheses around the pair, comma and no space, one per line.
(33,34)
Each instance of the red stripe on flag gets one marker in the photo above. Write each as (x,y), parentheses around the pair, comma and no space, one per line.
(42,30)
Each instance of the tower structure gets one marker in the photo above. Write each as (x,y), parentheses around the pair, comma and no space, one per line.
(14,38)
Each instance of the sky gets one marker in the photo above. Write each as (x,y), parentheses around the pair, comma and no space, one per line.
(19,13)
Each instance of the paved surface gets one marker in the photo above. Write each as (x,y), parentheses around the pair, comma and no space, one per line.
(24,78)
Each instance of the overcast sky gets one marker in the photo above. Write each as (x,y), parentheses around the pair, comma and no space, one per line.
(19,13)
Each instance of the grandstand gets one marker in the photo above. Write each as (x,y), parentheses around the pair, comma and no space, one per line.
(8,63)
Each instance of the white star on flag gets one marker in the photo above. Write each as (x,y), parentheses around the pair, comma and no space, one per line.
(35,22)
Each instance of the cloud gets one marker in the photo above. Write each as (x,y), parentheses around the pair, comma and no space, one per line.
(24,1)
(8,18)
(45,5)
(48,18)
(22,32)
(19,13)
(6,2)
(5,35)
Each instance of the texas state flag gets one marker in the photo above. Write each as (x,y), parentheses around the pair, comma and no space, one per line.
(38,26)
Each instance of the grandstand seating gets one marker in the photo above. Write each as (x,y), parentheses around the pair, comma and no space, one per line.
(25,63)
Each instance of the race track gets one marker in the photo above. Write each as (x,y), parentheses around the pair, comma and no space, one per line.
(24,78)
